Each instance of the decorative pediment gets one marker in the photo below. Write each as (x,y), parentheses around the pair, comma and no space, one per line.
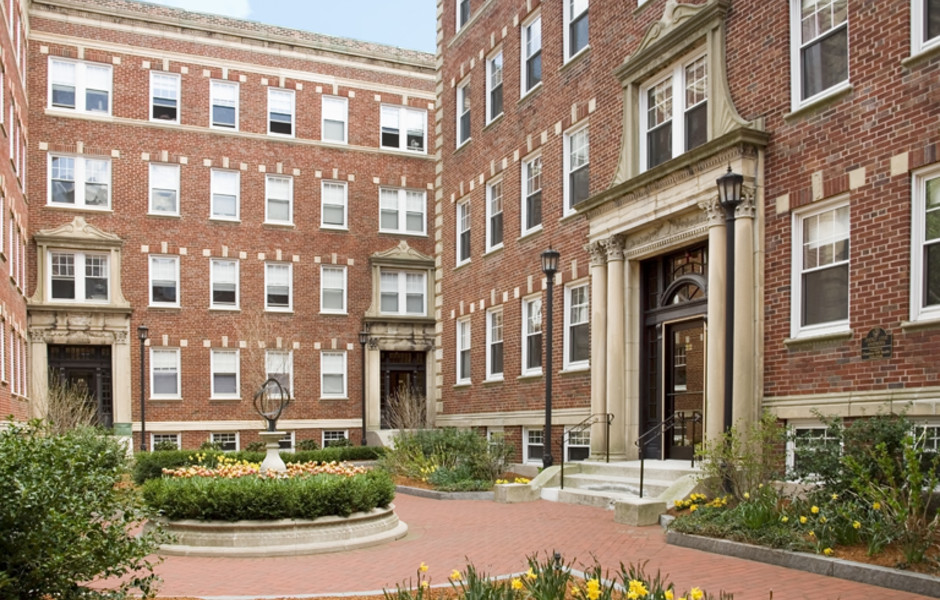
(674,15)
(402,254)
(78,232)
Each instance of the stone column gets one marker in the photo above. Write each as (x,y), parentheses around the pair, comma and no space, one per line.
(38,380)
(599,349)
(121,377)
(745,401)
(373,388)
(616,303)
(715,346)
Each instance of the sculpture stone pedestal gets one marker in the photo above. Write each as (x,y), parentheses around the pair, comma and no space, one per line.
(272,458)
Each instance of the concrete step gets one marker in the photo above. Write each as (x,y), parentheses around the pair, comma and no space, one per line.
(602,499)
(618,484)
(653,469)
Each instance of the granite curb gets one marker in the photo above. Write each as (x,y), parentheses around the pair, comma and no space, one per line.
(915,583)
(437,495)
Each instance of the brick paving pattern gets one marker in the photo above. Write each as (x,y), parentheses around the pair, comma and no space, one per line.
(496,538)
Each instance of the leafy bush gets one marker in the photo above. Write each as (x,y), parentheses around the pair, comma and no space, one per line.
(257,498)
(450,459)
(739,460)
(150,465)
(65,516)
(308,445)
(255,446)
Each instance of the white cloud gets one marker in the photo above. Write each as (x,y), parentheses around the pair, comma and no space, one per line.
(238,9)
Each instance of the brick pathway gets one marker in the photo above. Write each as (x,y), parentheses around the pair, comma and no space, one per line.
(497,538)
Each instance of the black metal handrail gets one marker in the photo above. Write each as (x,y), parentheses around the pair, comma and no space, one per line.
(591,420)
(661,428)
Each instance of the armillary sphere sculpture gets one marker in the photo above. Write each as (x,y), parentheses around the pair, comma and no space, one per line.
(270,401)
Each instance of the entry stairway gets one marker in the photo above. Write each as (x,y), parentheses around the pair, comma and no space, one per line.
(616,486)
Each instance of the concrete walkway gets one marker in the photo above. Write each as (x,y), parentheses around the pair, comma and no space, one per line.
(496,538)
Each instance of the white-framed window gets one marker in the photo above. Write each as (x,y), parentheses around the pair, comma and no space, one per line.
(333,205)
(332,374)
(225,195)
(335,117)
(223,277)
(576,27)
(164,281)
(402,211)
(674,112)
(332,289)
(403,128)
(927,436)
(279,199)
(925,25)
(164,438)
(165,373)
(225,371)
(577,444)
(281,112)
(494,344)
(463,13)
(463,232)
(494,86)
(495,437)
(494,215)
(463,350)
(820,296)
(463,113)
(577,168)
(279,365)
(278,278)
(403,292)
(532,335)
(286,443)
(533,444)
(78,276)
(79,86)
(577,326)
(531,54)
(164,97)
(925,244)
(227,440)
(333,437)
(531,195)
(223,104)
(819,49)
(164,189)
(806,438)
(80,182)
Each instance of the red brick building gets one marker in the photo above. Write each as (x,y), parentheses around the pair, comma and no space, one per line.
(254,196)
(828,109)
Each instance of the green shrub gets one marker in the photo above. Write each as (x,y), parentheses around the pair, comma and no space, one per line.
(740,459)
(255,446)
(150,465)
(65,516)
(257,498)
(308,445)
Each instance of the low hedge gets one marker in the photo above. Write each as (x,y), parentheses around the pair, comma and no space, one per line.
(257,498)
(150,465)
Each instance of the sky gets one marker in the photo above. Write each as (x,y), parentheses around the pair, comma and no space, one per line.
(403,23)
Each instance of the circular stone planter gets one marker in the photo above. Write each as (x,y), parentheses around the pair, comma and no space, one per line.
(284,537)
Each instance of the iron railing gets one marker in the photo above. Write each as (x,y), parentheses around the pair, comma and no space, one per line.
(586,423)
(659,429)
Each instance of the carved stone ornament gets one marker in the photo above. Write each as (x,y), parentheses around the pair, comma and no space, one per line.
(598,253)
(614,246)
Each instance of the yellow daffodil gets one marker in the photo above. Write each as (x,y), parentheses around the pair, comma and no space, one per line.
(668,595)
(516,583)
(593,589)
(828,551)
(814,510)
(530,574)
(639,587)
(784,519)
(835,496)
(696,594)
(802,520)
(747,496)
(812,534)
(576,592)
(425,585)
(856,525)
(822,520)
(423,568)
(455,575)
(876,505)
(693,508)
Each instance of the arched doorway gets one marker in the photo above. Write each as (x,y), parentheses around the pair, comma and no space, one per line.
(673,355)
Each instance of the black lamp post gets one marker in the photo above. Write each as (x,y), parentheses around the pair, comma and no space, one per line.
(363,340)
(729,196)
(142,336)
(549,267)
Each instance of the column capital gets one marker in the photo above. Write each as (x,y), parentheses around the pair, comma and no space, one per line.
(614,246)
(714,213)
(598,253)
(748,207)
